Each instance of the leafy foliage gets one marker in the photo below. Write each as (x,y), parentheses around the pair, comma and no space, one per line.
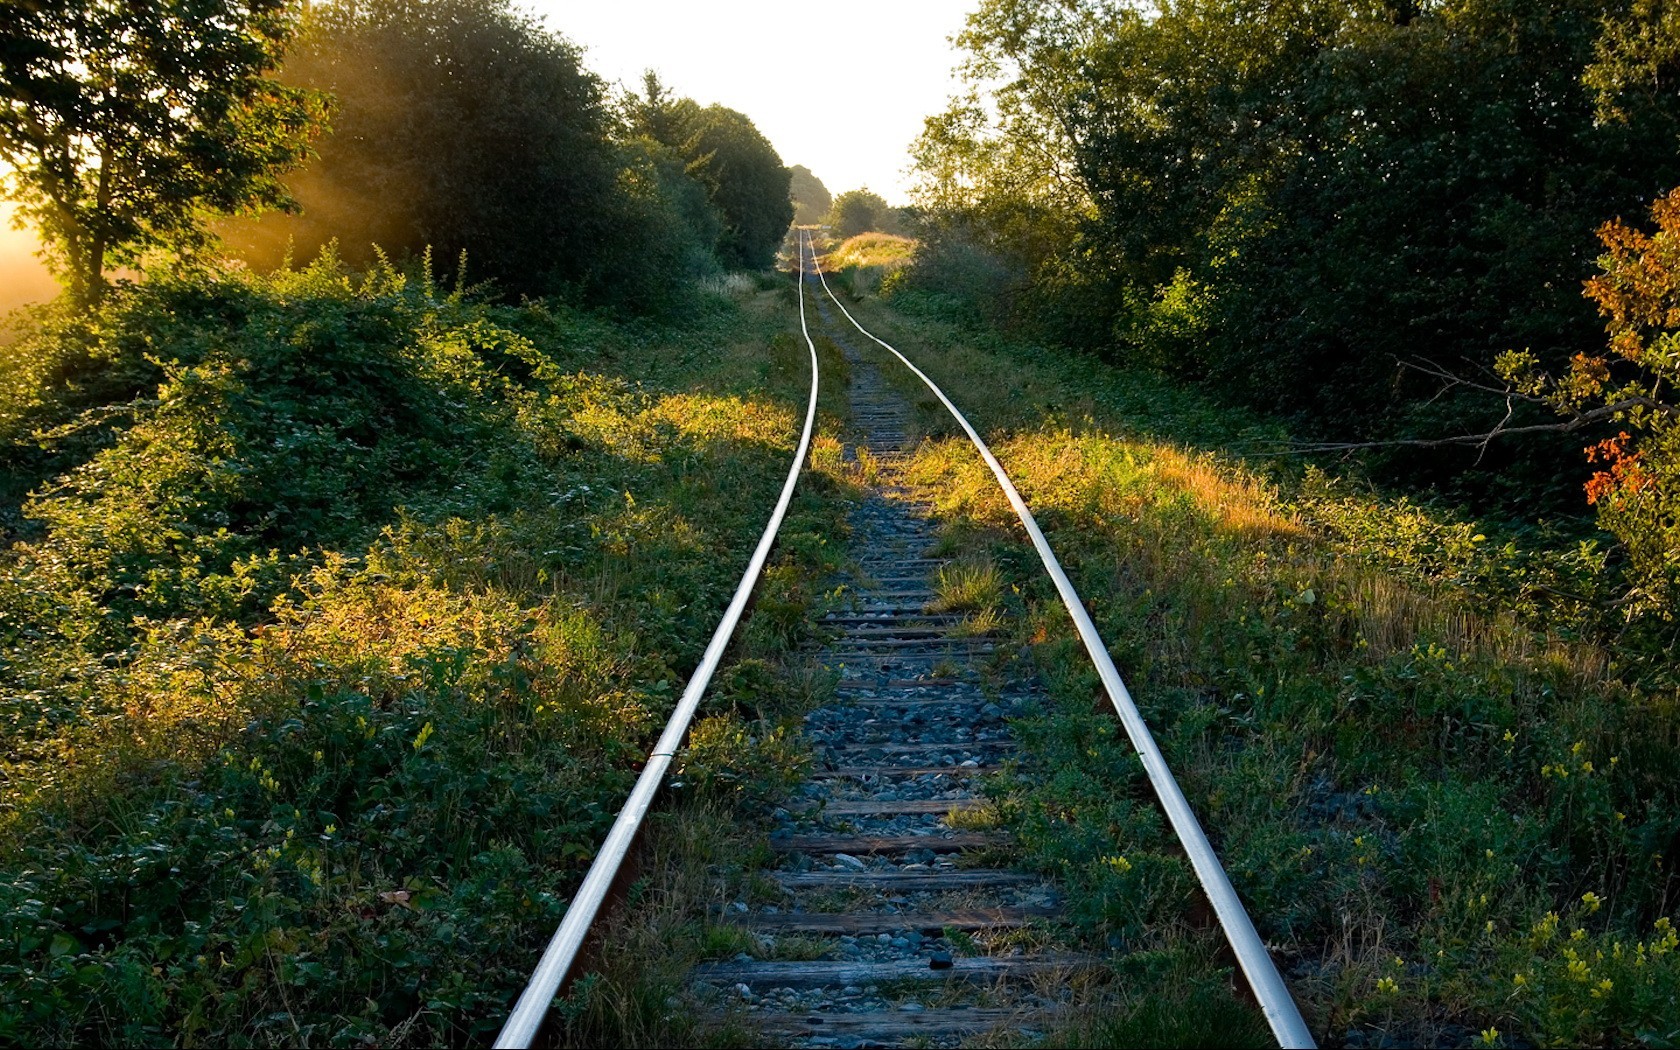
(811,199)
(747,183)
(125,124)
(723,150)
(858,211)
(465,127)
(1287,203)
(336,637)
(1635,472)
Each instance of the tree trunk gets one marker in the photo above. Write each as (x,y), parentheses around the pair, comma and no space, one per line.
(93,277)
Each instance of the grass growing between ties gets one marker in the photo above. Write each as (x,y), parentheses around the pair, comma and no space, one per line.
(338,617)
(1445,796)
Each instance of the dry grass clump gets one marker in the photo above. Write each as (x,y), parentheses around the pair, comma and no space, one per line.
(871,249)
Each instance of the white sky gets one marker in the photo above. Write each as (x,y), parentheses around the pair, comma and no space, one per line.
(841,89)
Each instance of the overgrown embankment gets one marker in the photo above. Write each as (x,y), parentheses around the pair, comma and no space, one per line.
(339,614)
(1443,792)
(862,263)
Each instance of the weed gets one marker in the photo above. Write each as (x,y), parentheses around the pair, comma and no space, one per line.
(967,586)
(973,818)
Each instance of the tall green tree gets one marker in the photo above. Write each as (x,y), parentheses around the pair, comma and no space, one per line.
(811,199)
(858,211)
(747,182)
(127,124)
(462,126)
(726,153)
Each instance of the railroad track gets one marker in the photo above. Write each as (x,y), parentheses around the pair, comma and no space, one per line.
(913,941)
(887,865)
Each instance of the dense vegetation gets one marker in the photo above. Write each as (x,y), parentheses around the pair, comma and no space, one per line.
(334,634)
(740,170)
(861,264)
(1292,203)
(340,601)
(1449,808)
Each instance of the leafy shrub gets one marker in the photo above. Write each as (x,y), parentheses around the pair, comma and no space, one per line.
(331,656)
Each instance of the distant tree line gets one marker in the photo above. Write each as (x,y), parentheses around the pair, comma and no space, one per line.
(1298,202)
(458,126)
(466,127)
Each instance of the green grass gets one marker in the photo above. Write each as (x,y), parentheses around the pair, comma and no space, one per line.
(860,264)
(329,658)
(1410,735)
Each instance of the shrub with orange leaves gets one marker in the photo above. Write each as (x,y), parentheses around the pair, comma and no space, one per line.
(1637,486)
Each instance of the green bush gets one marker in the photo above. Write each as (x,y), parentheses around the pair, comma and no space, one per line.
(328,658)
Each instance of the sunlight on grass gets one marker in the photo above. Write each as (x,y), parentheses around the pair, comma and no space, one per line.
(1405,738)
(970,586)
(395,715)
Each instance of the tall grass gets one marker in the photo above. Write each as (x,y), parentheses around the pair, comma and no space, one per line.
(328,659)
(1445,796)
(863,262)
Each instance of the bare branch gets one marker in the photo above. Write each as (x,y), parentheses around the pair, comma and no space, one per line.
(1565,426)
(1452,379)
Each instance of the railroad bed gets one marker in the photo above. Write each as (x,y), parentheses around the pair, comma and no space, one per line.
(917,935)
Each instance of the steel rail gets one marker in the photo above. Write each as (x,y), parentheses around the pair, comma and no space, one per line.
(1282,1014)
(557,959)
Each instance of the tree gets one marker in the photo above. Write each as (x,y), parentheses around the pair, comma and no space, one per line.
(858,211)
(747,183)
(658,115)
(1286,201)
(724,152)
(811,199)
(462,126)
(1636,477)
(127,123)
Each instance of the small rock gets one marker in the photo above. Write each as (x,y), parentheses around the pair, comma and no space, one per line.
(740,906)
(743,991)
(940,961)
(910,1007)
(849,861)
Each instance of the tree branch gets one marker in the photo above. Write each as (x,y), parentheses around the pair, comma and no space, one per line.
(1565,426)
